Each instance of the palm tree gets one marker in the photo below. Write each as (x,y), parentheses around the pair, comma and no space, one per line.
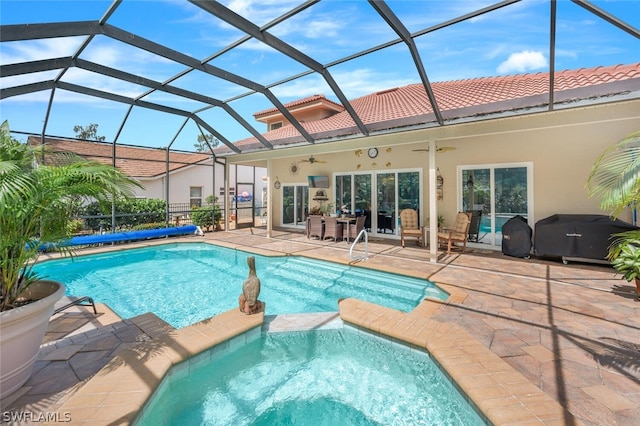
(35,204)
(615,178)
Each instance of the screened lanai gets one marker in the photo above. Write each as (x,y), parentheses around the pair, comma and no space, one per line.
(159,75)
(216,63)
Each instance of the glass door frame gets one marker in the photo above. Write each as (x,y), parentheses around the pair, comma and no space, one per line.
(374,195)
(300,205)
(495,240)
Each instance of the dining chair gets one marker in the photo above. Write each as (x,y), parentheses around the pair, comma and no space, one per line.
(316,227)
(351,231)
(332,229)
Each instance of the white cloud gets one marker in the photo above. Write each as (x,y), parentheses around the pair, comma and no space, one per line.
(527,60)
(355,83)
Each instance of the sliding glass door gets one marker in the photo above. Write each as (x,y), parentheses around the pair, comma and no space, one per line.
(295,204)
(498,193)
(378,196)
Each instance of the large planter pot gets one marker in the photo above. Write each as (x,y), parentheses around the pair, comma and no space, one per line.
(21,332)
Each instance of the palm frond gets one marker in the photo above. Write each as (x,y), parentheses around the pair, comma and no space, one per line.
(615,176)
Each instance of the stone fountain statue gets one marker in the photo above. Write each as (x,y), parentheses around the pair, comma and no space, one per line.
(248,300)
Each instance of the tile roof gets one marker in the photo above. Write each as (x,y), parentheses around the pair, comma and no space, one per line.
(137,162)
(409,105)
(297,103)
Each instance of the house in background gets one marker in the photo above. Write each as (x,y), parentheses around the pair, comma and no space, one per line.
(190,176)
(500,149)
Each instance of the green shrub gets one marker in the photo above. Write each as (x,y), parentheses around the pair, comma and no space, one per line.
(206,216)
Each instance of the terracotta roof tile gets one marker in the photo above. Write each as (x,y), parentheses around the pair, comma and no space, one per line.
(299,102)
(459,98)
(138,162)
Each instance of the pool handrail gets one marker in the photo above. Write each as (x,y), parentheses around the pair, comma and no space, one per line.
(366,246)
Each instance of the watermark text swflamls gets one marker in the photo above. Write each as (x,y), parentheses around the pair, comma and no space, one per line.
(31,417)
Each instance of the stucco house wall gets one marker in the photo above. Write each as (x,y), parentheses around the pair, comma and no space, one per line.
(562,145)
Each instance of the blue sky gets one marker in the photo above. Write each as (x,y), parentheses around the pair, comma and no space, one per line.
(511,40)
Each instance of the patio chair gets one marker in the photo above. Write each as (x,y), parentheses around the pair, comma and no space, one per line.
(474,225)
(458,234)
(316,227)
(352,231)
(332,229)
(409,227)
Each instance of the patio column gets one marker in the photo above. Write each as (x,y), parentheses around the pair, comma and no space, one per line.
(269,199)
(433,210)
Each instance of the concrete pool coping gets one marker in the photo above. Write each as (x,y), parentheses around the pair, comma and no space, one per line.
(118,392)
(508,295)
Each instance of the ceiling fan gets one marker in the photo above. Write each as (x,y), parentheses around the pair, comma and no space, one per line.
(438,149)
(312,160)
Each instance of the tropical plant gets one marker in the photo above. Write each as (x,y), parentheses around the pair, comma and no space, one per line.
(626,257)
(36,202)
(615,178)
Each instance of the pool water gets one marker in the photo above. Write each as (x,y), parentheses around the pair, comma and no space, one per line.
(187,282)
(329,377)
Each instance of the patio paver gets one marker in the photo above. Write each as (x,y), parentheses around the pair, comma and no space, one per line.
(569,334)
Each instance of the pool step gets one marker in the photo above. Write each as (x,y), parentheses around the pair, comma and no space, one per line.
(337,282)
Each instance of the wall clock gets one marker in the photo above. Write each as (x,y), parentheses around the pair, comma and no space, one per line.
(373,152)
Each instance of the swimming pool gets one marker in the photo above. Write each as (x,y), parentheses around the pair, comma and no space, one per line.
(184,283)
(329,377)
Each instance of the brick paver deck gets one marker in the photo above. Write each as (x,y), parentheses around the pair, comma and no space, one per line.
(530,341)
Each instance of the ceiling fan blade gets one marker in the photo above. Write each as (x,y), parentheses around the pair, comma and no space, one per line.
(445,149)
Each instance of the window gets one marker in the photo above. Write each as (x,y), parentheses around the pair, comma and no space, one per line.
(274,126)
(232,190)
(195,196)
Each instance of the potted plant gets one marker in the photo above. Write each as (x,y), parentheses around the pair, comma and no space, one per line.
(35,202)
(625,257)
(615,178)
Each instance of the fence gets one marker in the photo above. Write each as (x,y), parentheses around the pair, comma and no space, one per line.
(179,214)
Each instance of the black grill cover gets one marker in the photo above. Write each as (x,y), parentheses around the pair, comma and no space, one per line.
(516,237)
(577,235)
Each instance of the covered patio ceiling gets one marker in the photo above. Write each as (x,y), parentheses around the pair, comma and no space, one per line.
(216,92)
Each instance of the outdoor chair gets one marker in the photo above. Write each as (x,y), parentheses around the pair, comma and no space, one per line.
(409,227)
(316,227)
(332,229)
(352,231)
(474,225)
(458,234)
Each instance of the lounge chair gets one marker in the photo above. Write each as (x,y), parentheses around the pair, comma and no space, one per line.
(332,229)
(73,301)
(409,227)
(458,234)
